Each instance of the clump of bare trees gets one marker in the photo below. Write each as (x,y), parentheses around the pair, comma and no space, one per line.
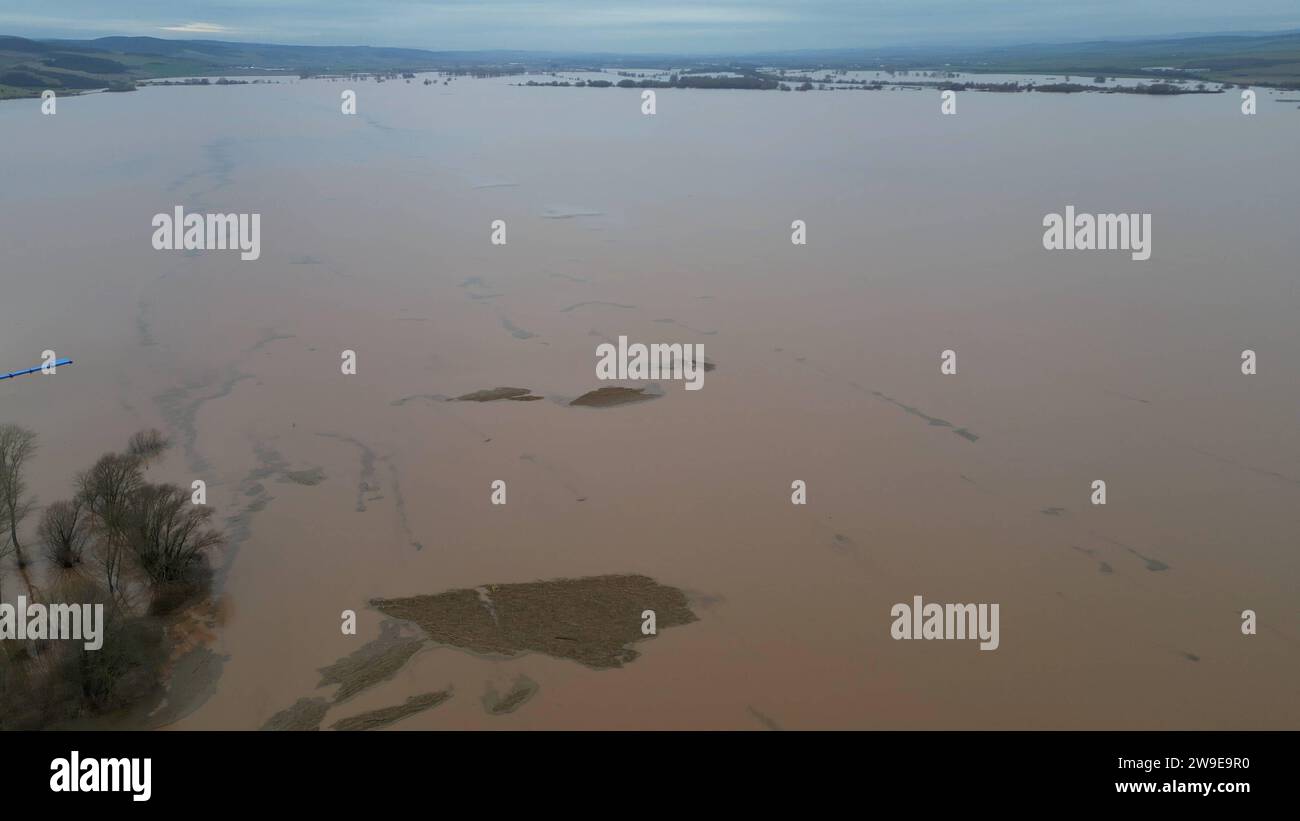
(168,533)
(147,445)
(151,528)
(145,539)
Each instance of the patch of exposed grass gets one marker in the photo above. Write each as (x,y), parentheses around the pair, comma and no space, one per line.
(590,620)
(375,719)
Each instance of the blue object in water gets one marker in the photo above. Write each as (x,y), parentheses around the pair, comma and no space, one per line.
(57,364)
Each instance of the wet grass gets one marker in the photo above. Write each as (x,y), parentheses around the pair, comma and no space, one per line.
(495,394)
(305,714)
(520,691)
(612,397)
(382,717)
(592,620)
(374,662)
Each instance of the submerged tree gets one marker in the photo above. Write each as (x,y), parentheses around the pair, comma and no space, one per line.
(17,444)
(5,550)
(108,487)
(64,532)
(147,445)
(168,532)
(107,491)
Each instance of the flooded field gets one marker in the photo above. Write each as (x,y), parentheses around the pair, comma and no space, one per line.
(475,363)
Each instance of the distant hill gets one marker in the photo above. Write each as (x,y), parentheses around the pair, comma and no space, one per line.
(29,66)
(1269,59)
(117,63)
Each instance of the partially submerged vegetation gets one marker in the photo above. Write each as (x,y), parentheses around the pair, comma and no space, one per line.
(495,394)
(593,621)
(374,662)
(609,397)
(305,714)
(384,716)
(309,477)
(520,691)
(904,79)
(736,77)
(135,547)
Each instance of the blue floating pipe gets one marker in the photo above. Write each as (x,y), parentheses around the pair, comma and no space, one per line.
(57,364)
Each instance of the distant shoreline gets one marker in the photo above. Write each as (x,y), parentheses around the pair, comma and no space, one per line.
(802,82)
(28,67)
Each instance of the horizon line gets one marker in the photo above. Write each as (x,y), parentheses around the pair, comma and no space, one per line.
(695,53)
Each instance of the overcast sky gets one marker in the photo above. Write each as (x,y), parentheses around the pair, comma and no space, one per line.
(642,25)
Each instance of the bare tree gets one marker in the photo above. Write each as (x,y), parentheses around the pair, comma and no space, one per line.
(107,490)
(110,554)
(17,444)
(147,445)
(168,532)
(64,532)
(5,548)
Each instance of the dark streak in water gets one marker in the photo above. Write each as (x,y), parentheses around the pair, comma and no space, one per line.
(597,303)
(1118,395)
(439,401)
(144,332)
(1154,565)
(1272,474)
(935,421)
(180,408)
(1103,568)
(561,213)
(267,338)
(366,483)
(764,720)
(515,330)
(219,167)
(705,601)
(671,321)
(432,397)
(400,502)
(555,473)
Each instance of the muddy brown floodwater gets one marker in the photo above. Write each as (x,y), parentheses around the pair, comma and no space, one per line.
(924,234)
